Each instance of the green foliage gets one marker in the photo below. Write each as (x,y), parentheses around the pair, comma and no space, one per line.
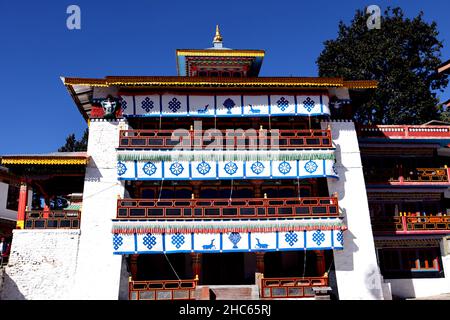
(403,56)
(73,145)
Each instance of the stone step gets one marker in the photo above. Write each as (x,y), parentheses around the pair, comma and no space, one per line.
(238,292)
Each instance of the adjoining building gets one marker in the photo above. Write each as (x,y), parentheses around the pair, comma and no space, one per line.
(216,180)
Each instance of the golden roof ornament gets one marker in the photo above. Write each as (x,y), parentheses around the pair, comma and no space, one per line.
(217,37)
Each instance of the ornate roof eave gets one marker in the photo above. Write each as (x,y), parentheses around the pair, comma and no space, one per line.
(79,158)
(176,81)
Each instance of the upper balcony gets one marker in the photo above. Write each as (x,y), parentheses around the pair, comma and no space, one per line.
(412,224)
(405,176)
(173,209)
(405,132)
(201,139)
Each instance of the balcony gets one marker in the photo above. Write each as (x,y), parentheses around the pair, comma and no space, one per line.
(163,139)
(411,225)
(53,219)
(407,176)
(226,209)
(162,289)
(404,132)
(300,287)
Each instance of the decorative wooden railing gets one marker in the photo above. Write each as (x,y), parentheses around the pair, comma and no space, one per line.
(198,139)
(225,208)
(162,289)
(411,224)
(405,175)
(404,132)
(53,219)
(298,287)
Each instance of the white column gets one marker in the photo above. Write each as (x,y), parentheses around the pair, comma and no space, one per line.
(98,270)
(357,271)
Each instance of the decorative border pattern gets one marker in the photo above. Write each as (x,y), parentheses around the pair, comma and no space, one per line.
(173,105)
(212,170)
(227,242)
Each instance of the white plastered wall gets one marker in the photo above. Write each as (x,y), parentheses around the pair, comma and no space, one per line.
(357,271)
(98,270)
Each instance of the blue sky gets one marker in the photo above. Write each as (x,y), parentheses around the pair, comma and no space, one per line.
(139,37)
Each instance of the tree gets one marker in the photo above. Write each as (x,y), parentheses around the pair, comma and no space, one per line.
(403,56)
(73,145)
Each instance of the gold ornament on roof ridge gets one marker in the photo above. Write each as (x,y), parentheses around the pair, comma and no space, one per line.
(217,37)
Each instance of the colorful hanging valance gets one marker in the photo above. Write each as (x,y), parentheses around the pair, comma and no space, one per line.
(228,242)
(176,105)
(211,170)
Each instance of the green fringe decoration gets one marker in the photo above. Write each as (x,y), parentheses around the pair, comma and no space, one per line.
(217,226)
(210,155)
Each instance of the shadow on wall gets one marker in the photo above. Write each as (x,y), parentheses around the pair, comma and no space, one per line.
(9,289)
(124,275)
(94,173)
(347,253)
(373,282)
(402,289)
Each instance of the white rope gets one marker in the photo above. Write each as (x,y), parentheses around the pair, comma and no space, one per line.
(176,274)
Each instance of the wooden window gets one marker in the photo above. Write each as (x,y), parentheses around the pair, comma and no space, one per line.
(410,263)
(12,202)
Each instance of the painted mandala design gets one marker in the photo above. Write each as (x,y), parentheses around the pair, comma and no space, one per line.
(311,166)
(121,168)
(284,167)
(147,104)
(174,105)
(203,168)
(117,241)
(318,237)
(340,237)
(282,103)
(257,167)
(308,104)
(291,237)
(149,168)
(176,168)
(178,240)
(230,168)
(149,241)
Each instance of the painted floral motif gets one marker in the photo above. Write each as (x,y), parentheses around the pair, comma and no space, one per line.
(308,104)
(149,168)
(121,168)
(282,103)
(284,167)
(235,237)
(230,168)
(291,237)
(229,104)
(203,168)
(176,168)
(257,167)
(149,241)
(147,104)
(311,166)
(318,237)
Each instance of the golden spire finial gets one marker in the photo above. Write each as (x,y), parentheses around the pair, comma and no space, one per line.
(217,37)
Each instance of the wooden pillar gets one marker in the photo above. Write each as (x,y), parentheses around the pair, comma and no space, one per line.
(196,264)
(133,265)
(320,262)
(196,189)
(260,262)
(23,197)
(257,188)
